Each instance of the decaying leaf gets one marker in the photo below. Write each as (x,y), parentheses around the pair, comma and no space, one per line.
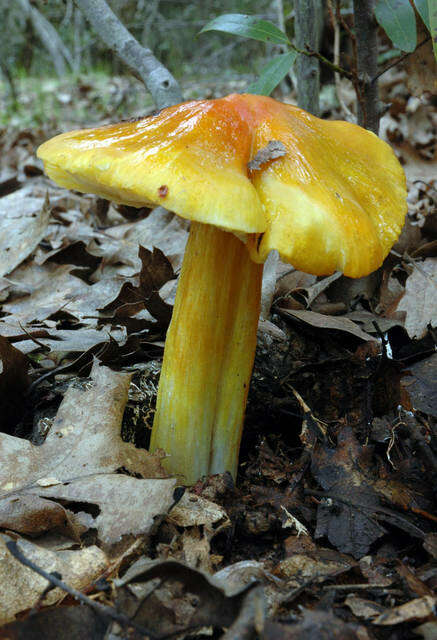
(327,322)
(193,510)
(420,383)
(170,609)
(352,513)
(201,520)
(301,568)
(78,568)
(23,222)
(114,504)
(363,608)
(420,299)
(417,609)
(14,381)
(317,625)
(160,229)
(56,289)
(77,464)
(57,623)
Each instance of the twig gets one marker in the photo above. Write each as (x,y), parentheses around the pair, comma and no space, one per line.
(398,60)
(315,54)
(30,335)
(34,337)
(162,85)
(101,609)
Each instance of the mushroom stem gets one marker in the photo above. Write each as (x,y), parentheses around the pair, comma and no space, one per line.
(208,357)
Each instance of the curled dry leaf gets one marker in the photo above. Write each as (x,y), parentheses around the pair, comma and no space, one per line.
(169,610)
(417,609)
(193,510)
(320,321)
(201,520)
(323,563)
(78,569)
(363,608)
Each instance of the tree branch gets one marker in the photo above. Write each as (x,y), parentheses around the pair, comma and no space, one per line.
(162,85)
(400,58)
(49,37)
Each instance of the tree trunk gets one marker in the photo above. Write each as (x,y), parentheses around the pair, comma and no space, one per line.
(367,64)
(308,19)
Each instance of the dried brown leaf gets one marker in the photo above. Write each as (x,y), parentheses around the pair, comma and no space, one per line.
(23,222)
(417,609)
(78,569)
(14,382)
(77,462)
(420,299)
(319,321)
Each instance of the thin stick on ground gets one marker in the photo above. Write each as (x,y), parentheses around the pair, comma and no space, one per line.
(101,609)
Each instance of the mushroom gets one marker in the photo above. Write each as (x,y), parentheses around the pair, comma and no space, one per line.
(252,174)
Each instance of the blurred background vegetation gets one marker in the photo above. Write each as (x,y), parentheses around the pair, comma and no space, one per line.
(47,86)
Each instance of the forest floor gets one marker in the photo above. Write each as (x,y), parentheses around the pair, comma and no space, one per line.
(330,530)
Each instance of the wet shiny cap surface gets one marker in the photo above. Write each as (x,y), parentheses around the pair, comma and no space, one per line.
(334,200)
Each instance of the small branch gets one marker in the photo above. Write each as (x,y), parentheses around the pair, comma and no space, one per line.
(101,609)
(315,54)
(398,60)
(367,64)
(162,85)
(49,37)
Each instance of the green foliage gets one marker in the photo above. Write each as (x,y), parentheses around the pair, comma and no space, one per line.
(398,19)
(423,11)
(272,74)
(432,9)
(252,27)
(239,24)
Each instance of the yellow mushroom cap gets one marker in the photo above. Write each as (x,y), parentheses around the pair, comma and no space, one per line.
(190,158)
(336,199)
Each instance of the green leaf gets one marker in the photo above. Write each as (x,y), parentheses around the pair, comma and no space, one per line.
(422,10)
(272,74)
(433,24)
(240,24)
(398,20)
